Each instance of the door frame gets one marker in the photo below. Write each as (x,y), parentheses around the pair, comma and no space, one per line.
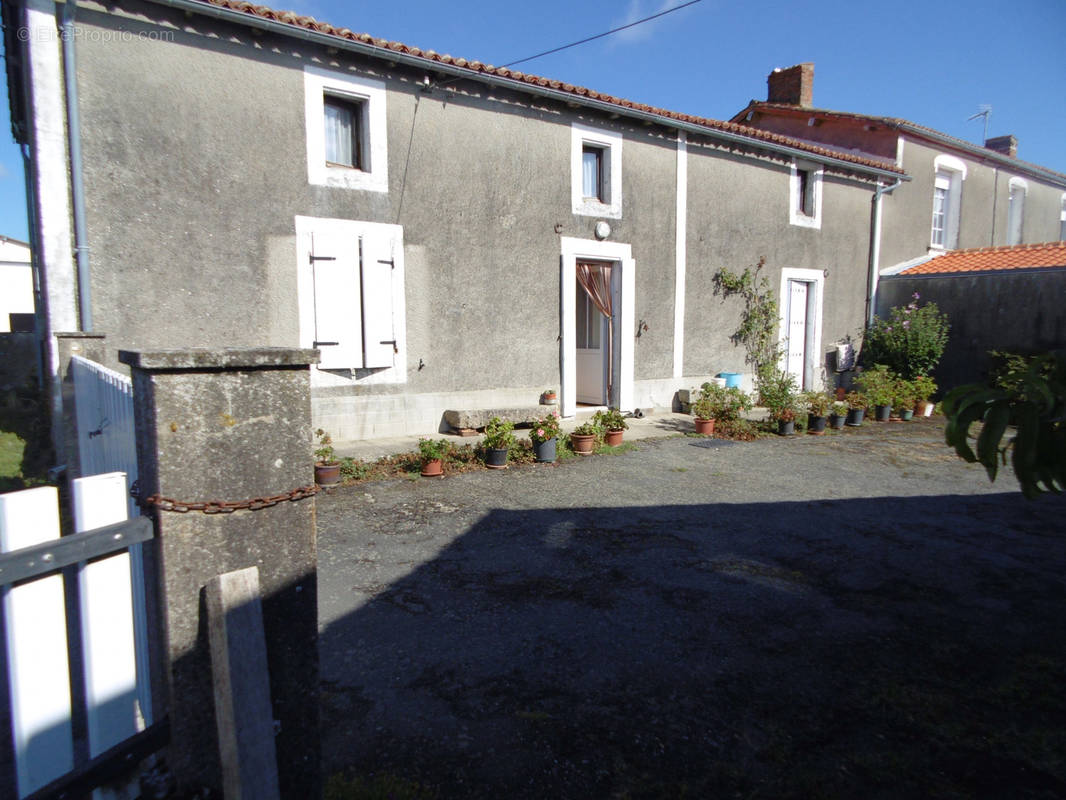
(624,319)
(812,346)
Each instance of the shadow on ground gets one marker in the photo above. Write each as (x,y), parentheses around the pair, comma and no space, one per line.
(887,647)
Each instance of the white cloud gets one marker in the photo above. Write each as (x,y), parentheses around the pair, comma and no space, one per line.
(639,9)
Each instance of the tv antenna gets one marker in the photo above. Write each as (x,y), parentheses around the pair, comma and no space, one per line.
(986,112)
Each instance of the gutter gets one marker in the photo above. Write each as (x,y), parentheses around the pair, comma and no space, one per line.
(77,184)
(875,251)
(329,40)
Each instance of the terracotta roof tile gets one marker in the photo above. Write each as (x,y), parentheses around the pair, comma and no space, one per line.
(984,259)
(309,23)
(897,122)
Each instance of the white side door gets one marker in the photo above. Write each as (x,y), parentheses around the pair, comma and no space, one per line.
(591,351)
(795,347)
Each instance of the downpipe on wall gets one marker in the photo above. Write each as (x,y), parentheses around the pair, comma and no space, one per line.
(77,185)
(875,251)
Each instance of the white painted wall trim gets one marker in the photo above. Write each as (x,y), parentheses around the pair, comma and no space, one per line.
(952,163)
(795,216)
(680,253)
(612,142)
(571,250)
(51,170)
(319,82)
(815,279)
(899,151)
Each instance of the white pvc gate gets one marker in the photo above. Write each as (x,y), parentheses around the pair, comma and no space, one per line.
(35,627)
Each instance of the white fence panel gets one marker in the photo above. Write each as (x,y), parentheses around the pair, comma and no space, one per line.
(103,399)
(36,632)
(106,592)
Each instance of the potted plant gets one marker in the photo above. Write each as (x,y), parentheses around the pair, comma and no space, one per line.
(327,467)
(838,414)
(433,453)
(778,394)
(878,384)
(903,399)
(583,438)
(547,397)
(718,403)
(924,388)
(497,442)
(543,435)
(817,404)
(857,404)
(612,423)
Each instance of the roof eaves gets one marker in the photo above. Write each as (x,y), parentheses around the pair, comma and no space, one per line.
(292,24)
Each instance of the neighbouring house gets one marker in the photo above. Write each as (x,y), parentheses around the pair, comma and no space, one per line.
(1008,299)
(961,195)
(16,286)
(449,234)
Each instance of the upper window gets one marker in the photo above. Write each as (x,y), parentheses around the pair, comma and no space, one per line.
(1062,220)
(1015,210)
(346,131)
(805,195)
(595,172)
(947,202)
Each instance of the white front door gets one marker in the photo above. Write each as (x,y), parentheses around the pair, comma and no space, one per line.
(796,346)
(591,351)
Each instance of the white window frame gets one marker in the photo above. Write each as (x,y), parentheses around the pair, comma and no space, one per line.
(949,173)
(1017,189)
(610,142)
(369,95)
(796,216)
(305,290)
(625,334)
(812,361)
(1062,220)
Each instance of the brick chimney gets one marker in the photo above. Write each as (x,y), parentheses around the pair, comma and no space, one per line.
(794,85)
(1007,145)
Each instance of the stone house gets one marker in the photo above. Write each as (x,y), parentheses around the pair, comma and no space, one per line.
(217,173)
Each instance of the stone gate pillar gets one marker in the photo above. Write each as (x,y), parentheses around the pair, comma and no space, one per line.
(231,425)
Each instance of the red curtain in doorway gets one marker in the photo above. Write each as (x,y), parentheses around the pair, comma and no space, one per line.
(595,279)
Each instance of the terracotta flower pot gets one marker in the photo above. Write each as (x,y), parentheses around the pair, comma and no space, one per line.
(431,468)
(614,438)
(548,398)
(704,426)
(582,443)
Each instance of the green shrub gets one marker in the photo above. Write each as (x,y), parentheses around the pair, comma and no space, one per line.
(910,342)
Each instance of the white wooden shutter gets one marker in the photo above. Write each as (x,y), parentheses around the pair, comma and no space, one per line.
(381,271)
(797,328)
(338,323)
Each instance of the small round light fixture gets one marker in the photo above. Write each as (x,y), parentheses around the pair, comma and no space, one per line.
(603,230)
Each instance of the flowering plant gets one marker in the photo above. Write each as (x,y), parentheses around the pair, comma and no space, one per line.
(545,428)
(878,384)
(610,420)
(924,387)
(720,403)
(910,342)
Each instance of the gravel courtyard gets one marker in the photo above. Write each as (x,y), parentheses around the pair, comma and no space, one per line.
(853,615)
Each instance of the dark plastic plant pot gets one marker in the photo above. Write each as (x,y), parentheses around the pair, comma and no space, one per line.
(906,414)
(496,458)
(854,418)
(815,424)
(327,474)
(882,413)
(836,421)
(786,427)
(544,451)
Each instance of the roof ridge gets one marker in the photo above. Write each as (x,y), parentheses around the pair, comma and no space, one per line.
(310,23)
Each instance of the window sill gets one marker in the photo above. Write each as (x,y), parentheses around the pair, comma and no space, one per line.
(595,208)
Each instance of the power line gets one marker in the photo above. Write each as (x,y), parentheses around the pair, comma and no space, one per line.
(606,33)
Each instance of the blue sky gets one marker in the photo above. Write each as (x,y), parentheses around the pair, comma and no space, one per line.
(930,63)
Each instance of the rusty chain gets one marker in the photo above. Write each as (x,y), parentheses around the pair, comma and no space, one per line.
(161,503)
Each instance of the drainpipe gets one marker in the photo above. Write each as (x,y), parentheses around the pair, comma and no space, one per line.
(875,251)
(77,186)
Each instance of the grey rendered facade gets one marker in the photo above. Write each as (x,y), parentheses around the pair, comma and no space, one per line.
(203,213)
